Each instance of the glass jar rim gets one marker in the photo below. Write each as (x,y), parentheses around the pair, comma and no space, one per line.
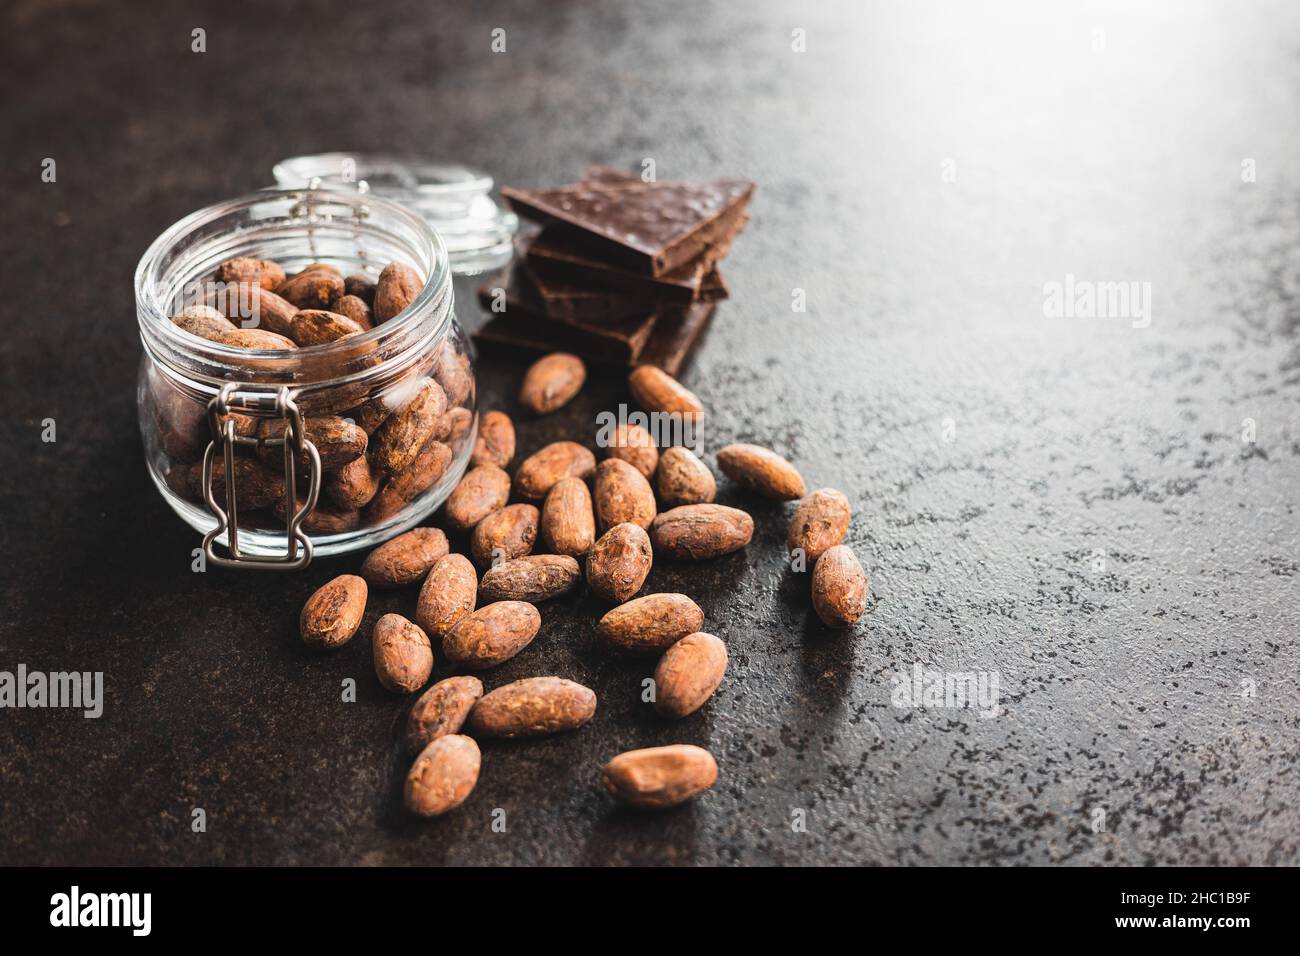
(156,327)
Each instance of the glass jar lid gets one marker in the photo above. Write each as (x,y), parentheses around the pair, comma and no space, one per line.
(455,200)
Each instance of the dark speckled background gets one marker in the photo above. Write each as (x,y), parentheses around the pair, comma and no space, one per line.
(1067,439)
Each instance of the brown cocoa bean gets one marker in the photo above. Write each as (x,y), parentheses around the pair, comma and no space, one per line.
(403,434)
(403,655)
(819,523)
(337,441)
(405,559)
(441,710)
(397,288)
(700,532)
(321,519)
(312,289)
(533,707)
(352,486)
(568,524)
(332,615)
(683,479)
(421,474)
(839,587)
(322,267)
(262,273)
(443,776)
(360,286)
(504,535)
(457,422)
(491,635)
(447,595)
(551,382)
(273,313)
(204,321)
(622,494)
(761,470)
(534,578)
(256,339)
(657,391)
(480,492)
(256,486)
(659,777)
(652,623)
(317,327)
(688,674)
(540,471)
(495,444)
(452,370)
(636,446)
(618,564)
(354,308)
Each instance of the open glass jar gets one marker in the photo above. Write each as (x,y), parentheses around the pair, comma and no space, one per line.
(318,449)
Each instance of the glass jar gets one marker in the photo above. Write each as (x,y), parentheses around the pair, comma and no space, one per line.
(370,431)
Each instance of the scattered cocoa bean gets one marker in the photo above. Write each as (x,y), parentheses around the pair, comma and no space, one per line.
(533,707)
(403,655)
(839,587)
(819,523)
(659,777)
(405,559)
(480,492)
(636,446)
(551,382)
(492,635)
(618,564)
(443,776)
(568,522)
(441,710)
(657,391)
(683,479)
(447,595)
(332,615)
(699,532)
(534,578)
(540,471)
(622,494)
(495,444)
(652,623)
(761,470)
(688,674)
(504,535)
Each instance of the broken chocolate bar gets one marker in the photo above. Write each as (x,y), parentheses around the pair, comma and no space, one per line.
(513,298)
(677,332)
(552,254)
(562,298)
(646,228)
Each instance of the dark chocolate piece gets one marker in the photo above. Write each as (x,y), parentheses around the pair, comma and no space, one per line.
(619,340)
(714,288)
(559,299)
(648,228)
(677,332)
(554,255)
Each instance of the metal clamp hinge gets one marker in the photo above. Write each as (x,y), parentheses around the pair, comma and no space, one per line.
(232,400)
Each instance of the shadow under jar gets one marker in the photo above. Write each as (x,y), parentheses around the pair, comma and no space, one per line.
(371,430)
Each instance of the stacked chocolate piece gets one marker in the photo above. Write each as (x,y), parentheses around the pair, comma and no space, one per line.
(622,272)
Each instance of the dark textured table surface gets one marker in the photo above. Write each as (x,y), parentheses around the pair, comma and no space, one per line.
(1072,504)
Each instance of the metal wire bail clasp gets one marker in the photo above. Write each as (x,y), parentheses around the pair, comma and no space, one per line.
(232,400)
